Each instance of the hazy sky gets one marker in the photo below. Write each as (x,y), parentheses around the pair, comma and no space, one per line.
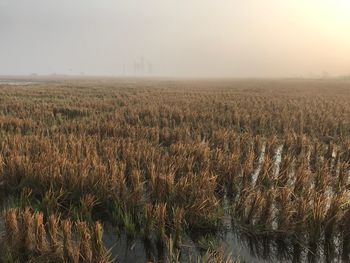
(185,38)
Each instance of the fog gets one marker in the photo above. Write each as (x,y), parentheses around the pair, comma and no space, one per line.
(193,38)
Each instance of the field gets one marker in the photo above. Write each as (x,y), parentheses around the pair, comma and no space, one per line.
(175,170)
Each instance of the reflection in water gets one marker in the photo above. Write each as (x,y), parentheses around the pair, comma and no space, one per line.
(296,254)
(290,250)
(275,247)
(346,249)
(246,247)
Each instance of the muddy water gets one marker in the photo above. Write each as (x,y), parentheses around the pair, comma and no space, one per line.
(246,248)
(138,250)
(14,82)
(234,241)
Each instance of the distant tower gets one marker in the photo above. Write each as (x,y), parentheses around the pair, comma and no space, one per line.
(325,74)
(124,69)
(136,67)
(150,68)
(142,65)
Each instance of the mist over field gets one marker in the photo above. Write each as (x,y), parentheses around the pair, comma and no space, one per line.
(165,131)
(198,38)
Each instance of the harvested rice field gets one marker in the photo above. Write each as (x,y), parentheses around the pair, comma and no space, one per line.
(146,170)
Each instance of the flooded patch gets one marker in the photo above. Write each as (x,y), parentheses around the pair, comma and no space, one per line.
(242,241)
(17,82)
(235,243)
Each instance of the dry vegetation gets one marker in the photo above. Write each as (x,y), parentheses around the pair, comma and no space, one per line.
(157,158)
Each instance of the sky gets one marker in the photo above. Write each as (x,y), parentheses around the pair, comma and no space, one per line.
(175,38)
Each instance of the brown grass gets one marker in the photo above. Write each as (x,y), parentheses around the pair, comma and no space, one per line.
(148,156)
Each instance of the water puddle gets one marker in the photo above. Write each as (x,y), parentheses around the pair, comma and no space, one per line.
(245,247)
(236,241)
(17,82)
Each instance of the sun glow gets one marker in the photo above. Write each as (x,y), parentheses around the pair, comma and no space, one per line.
(331,13)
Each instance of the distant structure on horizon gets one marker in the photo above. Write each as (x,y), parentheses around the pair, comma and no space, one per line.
(139,67)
